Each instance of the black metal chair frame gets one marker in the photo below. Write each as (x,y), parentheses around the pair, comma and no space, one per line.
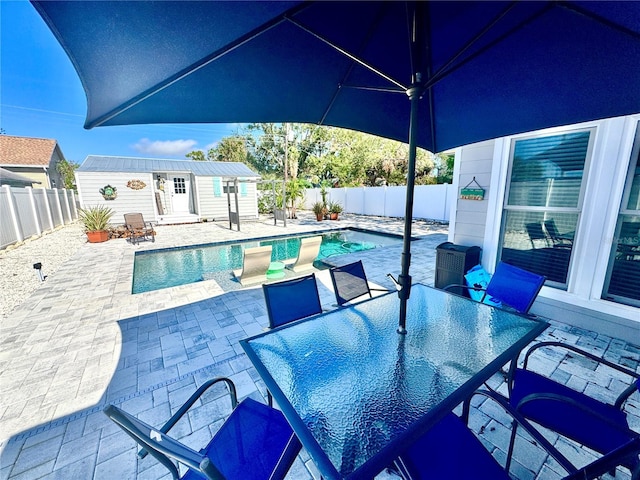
(620,401)
(599,467)
(618,404)
(486,291)
(164,448)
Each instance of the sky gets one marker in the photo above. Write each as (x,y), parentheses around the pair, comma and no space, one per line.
(41,96)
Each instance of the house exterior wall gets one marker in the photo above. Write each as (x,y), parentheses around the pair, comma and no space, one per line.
(55,179)
(479,223)
(467,225)
(127,200)
(215,207)
(37,174)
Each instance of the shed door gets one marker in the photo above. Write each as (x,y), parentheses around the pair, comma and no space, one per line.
(180,195)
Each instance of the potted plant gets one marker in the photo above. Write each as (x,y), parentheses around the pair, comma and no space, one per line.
(334,210)
(320,210)
(95,220)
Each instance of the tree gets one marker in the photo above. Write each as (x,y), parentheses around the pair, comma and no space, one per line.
(196,155)
(317,153)
(67,170)
(444,167)
(229,149)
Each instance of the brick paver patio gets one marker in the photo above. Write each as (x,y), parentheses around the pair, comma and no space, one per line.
(83,340)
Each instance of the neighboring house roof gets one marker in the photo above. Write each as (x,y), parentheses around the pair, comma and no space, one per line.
(14,180)
(94,163)
(25,151)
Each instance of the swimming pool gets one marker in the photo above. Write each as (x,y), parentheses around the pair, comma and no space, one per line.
(157,269)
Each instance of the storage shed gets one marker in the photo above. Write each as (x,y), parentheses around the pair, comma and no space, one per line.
(166,191)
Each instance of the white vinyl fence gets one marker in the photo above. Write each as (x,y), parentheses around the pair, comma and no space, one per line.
(27,212)
(430,201)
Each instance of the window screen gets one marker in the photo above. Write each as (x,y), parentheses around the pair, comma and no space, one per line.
(543,203)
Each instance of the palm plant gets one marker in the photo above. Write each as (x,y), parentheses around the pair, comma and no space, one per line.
(295,192)
(95,218)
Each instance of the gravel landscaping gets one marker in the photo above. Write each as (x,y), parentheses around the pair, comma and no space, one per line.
(19,279)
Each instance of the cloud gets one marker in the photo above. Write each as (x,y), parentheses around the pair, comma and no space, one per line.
(165,148)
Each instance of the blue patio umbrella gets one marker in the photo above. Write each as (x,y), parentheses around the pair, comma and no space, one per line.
(433,74)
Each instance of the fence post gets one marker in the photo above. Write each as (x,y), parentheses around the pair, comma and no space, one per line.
(58,205)
(47,204)
(15,221)
(34,210)
(66,205)
(74,212)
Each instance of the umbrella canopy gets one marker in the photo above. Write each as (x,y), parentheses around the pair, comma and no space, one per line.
(435,74)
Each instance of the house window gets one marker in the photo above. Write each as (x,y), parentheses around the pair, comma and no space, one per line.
(543,203)
(623,273)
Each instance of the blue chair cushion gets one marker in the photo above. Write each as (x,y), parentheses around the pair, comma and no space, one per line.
(567,419)
(249,444)
(450,450)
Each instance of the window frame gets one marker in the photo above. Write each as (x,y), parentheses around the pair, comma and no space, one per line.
(577,210)
(623,210)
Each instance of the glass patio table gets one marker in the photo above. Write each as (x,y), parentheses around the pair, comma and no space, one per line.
(355,391)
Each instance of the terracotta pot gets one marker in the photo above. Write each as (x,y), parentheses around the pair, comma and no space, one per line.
(319,217)
(98,237)
(334,216)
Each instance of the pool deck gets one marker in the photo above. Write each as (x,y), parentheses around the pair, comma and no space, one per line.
(82,341)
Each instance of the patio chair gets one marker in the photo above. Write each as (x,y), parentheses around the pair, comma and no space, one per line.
(558,240)
(451,450)
(536,233)
(254,442)
(255,264)
(598,425)
(309,250)
(291,300)
(350,282)
(138,228)
(513,287)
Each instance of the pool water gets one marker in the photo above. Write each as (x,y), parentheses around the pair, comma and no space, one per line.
(157,269)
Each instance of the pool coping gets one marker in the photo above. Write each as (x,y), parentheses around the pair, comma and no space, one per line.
(272,237)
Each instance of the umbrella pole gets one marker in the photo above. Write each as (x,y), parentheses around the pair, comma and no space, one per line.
(404,279)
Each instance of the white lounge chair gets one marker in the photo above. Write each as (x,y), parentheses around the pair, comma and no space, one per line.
(309,250)
(255,263)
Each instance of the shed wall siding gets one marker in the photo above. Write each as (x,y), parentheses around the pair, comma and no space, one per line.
(127,201)
(212,207)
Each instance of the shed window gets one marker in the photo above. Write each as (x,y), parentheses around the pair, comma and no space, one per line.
(543,203)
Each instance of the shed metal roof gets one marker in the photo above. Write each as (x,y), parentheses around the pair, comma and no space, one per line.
(95,163)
